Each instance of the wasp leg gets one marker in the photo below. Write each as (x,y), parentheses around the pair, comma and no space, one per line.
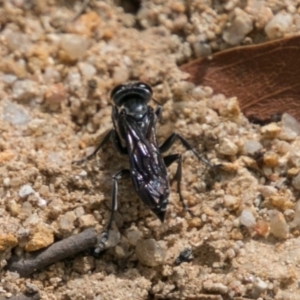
(116,142)
(102,143)
(168,161)
(114,206)
(167,144)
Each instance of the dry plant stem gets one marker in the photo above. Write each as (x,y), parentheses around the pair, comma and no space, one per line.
(56,252)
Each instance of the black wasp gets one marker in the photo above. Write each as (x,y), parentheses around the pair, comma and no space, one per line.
(134,134)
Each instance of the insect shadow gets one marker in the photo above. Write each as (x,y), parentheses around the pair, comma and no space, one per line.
(134,134)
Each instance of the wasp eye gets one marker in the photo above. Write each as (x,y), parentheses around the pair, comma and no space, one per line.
(124,92)
(116,90)
(144,86)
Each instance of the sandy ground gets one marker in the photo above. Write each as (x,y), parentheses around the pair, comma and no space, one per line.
(56,74)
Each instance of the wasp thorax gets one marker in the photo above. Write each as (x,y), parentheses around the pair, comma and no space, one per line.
(136,107)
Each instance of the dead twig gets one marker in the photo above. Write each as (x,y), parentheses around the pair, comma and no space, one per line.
(56,252)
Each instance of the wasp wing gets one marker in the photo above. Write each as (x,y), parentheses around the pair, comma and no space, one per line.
(148,170)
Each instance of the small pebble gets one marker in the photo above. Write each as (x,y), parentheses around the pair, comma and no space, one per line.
(6,156)
(24,90)
(83,264)
(6,181)
(293,172)
(232,109)
(9,78)
(280,202)
(25,191)
(79,211)
(270,131)
(214,287)
(270,159)
(26,210)
(87,70)
(51,75)
(55,208)
(86,221)
(231,202)
(290,127)
(236,234)
(65,222)
(149,252)
(296,222)
(286,295)
(240,26)
(41,237)
(289,214)
(83,173)
(247,218)
(259,286)
(44,191)
(260,13)
(120,252)
(74,80)
(279,25)
(17,41)
(294,156)
(296,182)
(54,96)
(15,114)
(32,220)
(201,49)
(120,75)
(14,208)
(86,24)
(227,147)
(41,202)
(266,190)
(31,288)
(75,46)
(195,222)
(230,253)
(278,226)
(7,241)
(283,147)
(262,228)
(251,147)
(133,235)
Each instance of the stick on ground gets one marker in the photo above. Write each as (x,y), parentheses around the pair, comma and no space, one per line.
(56,252)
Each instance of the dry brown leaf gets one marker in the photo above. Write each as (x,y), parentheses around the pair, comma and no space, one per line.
(265,78)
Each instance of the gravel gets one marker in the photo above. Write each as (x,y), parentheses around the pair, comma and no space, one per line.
(150,253)
(55,78)
(247,218)
(240,26)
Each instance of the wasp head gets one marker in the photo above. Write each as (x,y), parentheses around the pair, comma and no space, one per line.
(132,97)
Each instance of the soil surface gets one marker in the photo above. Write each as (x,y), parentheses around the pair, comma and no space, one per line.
(58,64)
